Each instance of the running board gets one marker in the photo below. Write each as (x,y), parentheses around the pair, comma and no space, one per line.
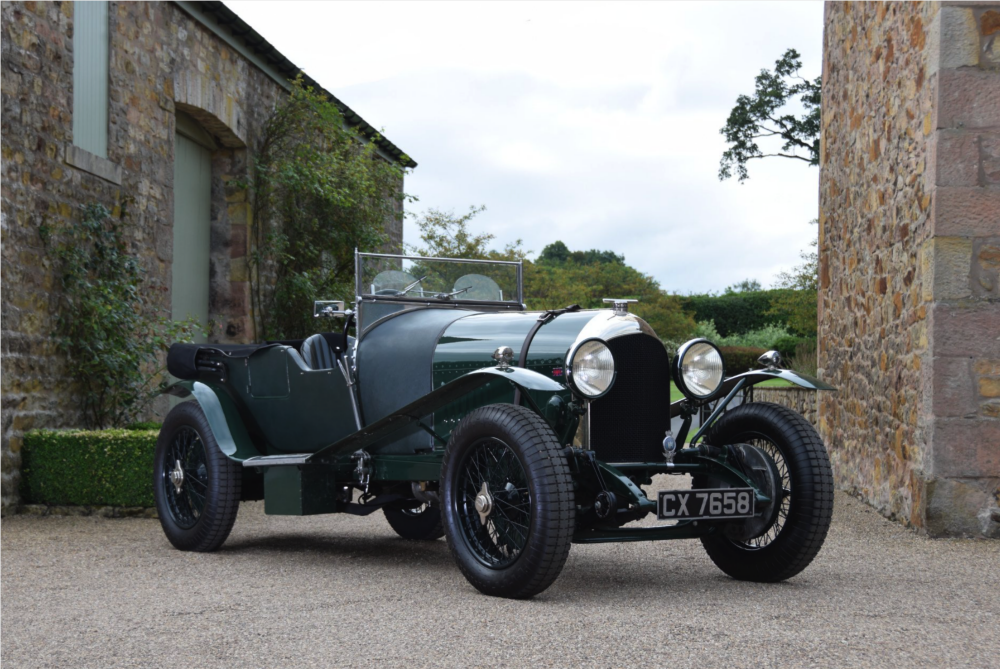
(289,460)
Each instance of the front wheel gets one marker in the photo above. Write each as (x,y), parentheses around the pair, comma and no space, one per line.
(508,501)
(795,527)
(196,487)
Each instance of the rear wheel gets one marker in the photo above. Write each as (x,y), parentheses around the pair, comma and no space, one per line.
(420,524)
(196,487)
(508,501)
(786,450)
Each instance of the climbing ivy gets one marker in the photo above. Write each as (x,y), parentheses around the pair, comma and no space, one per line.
(319,189)
(109,329)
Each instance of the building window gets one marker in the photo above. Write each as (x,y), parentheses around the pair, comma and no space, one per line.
(90,77)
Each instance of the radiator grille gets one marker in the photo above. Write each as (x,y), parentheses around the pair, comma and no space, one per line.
(629,423)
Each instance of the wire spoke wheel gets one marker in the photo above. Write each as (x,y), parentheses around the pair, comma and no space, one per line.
(185,477)
(793,526)
(195,485)
(507,501)
(493,475)
(785,502)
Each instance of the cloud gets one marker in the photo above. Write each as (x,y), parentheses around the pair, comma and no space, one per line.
(593,123)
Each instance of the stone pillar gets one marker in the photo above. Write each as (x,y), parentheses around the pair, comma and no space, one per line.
(910,260)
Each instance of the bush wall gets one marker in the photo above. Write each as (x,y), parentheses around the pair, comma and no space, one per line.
(736,313)
(88,468)
(740,359)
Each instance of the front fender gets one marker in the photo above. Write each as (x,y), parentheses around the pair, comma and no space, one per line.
(757,375)
(223,417)
(524,379)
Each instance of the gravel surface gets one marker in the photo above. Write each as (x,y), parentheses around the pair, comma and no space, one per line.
(344,591)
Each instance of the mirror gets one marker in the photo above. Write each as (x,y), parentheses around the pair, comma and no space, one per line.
(328,309)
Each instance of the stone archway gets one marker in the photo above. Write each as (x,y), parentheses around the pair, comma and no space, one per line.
(221,119)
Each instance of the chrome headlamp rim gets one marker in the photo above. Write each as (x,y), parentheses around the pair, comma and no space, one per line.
(675,369)
(569,369)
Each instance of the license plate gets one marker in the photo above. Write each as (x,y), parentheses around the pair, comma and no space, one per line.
(714,504)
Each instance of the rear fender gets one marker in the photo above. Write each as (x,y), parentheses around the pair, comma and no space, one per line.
(223,417)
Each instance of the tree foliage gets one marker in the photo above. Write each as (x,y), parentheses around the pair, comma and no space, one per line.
(744,286)
(107,326)
(557,252)
(560,277)
(797,302)
(735,313)
(763,115)
(319,189)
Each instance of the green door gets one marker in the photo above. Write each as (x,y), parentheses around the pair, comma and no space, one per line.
(192,229)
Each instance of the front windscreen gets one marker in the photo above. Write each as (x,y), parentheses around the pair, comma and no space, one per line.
(396,277)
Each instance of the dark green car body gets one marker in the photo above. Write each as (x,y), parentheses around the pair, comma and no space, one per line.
(378,418)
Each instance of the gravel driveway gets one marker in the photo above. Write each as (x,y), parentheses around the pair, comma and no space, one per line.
(344,591)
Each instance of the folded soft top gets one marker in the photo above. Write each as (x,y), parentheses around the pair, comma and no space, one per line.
(182,358)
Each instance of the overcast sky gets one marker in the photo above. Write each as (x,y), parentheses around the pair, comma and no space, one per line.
(594,123)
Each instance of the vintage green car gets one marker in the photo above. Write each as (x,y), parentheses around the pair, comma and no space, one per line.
(459,413)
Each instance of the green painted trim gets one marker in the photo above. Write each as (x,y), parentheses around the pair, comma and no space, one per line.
(91,78)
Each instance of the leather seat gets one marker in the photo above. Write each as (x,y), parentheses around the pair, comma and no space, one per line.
(317,353)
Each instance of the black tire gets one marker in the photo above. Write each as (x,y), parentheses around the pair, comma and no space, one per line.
(518,549)
(201,514)
(802,521)
(420,524)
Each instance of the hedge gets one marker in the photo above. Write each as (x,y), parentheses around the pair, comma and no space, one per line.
(740,359)
(736,313)
(88,468)
(786,345)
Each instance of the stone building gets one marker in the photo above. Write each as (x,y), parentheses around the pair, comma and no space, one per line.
(909,324)
(157,102)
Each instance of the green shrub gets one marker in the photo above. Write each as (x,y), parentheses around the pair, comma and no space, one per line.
(109,326)
(803,359)
(737,312)
(740,358)
(786,345)
(88,468)
(147,425)
(764,337)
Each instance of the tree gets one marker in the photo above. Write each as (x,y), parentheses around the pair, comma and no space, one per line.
(445,235)
(798,302)
(561,277)
(319,190)
(763,115)
(745,286)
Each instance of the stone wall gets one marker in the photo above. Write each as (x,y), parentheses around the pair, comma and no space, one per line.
(800,400)
(161,61)
(909,311)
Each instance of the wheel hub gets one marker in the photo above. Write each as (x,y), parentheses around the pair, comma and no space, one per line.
(763,471)
(177,476)
(484,503)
